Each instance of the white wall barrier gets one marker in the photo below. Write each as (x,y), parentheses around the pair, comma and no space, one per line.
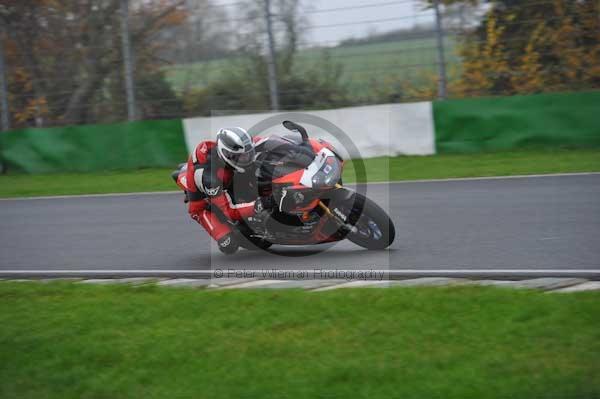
(377,130)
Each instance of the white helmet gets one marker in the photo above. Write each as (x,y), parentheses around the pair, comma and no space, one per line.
(236,148)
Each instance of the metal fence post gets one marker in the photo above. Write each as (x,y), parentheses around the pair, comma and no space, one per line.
(3,87)
(272,63)
(3,96)
(439,33)
(127,60)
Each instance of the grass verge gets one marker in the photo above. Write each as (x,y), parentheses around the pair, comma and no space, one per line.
(63,340)
(378,169)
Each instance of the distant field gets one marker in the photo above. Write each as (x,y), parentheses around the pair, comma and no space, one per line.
(364,66)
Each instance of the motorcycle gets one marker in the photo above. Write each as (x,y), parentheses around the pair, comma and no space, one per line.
(311,205)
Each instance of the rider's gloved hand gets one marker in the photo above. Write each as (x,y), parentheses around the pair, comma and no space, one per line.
(263,204)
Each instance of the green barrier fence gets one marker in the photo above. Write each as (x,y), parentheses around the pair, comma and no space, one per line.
(490,124)
(470,125)
(93,147)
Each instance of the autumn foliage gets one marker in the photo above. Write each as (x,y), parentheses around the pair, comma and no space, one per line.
(532,46)
(65,64)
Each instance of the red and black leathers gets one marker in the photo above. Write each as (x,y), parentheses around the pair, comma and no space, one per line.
(216,192)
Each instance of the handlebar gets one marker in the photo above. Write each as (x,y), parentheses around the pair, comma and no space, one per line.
(294,127)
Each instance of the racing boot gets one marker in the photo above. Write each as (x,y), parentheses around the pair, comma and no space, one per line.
(228,244)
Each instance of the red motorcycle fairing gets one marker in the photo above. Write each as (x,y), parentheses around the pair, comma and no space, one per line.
(318,144)
(311,227)
(301,176)
(286,168)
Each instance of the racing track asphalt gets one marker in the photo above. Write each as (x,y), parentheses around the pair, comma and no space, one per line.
(548,222)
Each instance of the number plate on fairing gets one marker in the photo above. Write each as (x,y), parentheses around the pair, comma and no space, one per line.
(315,166)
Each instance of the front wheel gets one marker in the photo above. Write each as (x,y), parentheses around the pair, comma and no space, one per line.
(373,228)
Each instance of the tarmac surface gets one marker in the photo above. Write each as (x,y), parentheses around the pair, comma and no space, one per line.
(550,222)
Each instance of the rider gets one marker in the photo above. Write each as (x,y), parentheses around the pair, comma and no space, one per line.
(214,169)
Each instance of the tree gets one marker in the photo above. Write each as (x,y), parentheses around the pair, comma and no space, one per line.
(65,56)
(531,46)
(246,88)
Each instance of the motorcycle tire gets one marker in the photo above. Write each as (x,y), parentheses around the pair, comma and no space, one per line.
(374,230)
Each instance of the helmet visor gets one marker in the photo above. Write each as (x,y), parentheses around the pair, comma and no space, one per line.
(243,159)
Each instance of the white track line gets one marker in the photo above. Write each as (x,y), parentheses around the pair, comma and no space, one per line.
(451,179)
(143,193)
(508,274)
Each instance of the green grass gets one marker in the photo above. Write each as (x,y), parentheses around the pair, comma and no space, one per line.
(77,341)
(378,169)
(402,60)
(511,163)
(130,181)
